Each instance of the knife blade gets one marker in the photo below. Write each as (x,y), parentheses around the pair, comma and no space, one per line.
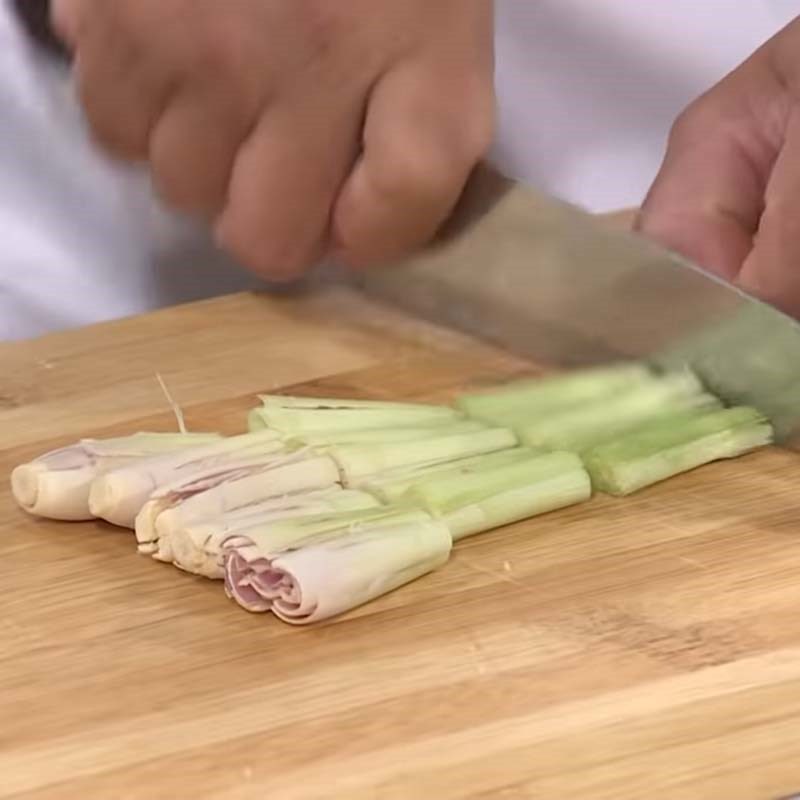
(550,282)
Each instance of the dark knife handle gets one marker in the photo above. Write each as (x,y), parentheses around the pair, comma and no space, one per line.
(35,17)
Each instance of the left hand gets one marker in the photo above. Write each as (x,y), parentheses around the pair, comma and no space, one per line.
(728,192)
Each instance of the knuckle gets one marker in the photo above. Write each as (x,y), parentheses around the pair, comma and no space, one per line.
(413,172)
(171,187)
(180,187)
(121,141)
(477,133)
(690,124)
(435,166)
(270,260)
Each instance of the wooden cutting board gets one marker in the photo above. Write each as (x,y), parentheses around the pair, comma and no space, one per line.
(621,649)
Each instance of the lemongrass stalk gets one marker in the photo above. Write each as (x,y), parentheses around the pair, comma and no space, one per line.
(331,575)
(56,484)
(537,396)
(515,505)
(119,495)
(357,461)
(197,546)
(672,446)
(328,403)
(289,533)
(254,511)
(284,479)
(444,493)
(489,499)
(176,493)
(319,439)
(390,486)
(297,421)
(584,426)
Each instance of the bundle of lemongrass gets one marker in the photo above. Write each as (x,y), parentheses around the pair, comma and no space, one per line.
(324,504)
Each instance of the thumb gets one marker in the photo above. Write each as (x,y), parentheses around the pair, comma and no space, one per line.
(771,271)
(707,198)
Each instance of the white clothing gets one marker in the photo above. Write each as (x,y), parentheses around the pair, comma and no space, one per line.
(587,91)
(83,239)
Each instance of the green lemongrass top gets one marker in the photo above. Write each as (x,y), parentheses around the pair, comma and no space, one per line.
(539,396)
(581,427)
(295,421)
(676,444)
(391,485)
(319,439)
(441,494)
(327,403)
(518,503)
(356,461)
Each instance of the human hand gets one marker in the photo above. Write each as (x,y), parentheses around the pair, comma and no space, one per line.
(728,192)
(298,129)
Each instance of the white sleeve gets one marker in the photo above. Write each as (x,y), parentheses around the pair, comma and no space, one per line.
(83,238)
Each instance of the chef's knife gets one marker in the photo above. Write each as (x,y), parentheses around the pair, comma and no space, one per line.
(551,282)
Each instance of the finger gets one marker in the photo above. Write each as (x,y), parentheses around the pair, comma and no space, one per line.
(421,141)
(706,199)
(193,148)
(283,184)
(122,87)
(66,17)
(772,270)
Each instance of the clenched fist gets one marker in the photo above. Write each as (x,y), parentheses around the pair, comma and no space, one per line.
(299,128)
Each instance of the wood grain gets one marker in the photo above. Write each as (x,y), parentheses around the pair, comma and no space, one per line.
(620,649)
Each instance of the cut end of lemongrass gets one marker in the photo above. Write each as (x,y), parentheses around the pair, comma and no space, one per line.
(59,495)
(334,574)
(25,484)
(196,547)
(671,446)
(167,525)
(144,526)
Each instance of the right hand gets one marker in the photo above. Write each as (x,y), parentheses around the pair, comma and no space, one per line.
(728,192)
